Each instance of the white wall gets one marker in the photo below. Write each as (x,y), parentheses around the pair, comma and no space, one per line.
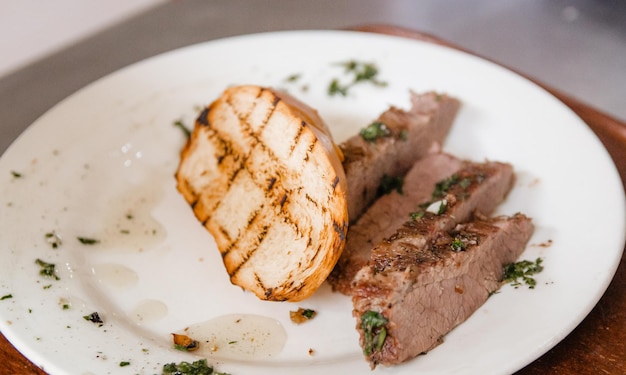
(31,29)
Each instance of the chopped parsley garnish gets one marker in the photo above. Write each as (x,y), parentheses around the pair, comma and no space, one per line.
(6,296)
(94,317)
(47,269)
(374,131)
(293,77)
(464,183)
(199,367)
(179,124)
(16,174)
(124,363)
(458,245)
(443,186)
(87,240)
(335,88)
(520,273)
(53,239)
(359,72)
(417,215)
(389,184)
(374,331)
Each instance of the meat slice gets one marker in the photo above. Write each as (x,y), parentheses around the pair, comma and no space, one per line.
(403,312)
(403,137)
(478,187)
(388,213)
(464,186)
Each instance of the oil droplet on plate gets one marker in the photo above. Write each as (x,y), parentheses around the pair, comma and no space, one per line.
(128,221)
(238,336)
(148,310)
(115,275)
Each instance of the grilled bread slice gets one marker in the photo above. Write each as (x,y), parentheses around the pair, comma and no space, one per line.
(263,175)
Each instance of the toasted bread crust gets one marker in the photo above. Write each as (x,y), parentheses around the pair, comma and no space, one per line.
(261,174)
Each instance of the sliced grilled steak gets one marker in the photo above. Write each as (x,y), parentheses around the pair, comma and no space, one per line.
(478,187)
(468,187)
(387,213)
(403,312)
(398,139)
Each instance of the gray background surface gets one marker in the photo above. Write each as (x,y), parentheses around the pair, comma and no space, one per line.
(576,46)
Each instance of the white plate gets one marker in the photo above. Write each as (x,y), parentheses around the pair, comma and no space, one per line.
(111,150)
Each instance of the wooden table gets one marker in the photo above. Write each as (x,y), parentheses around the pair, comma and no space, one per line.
(597,345)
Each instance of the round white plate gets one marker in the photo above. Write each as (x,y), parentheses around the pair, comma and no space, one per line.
(100,165)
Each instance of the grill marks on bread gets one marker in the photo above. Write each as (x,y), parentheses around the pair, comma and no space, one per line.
(259,179)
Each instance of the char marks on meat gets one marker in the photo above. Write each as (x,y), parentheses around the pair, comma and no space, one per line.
(450,276)
(388,213)
(411,134)
(466,187)
(477,187)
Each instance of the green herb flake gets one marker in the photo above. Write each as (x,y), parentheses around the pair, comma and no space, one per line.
(520,273)
(6,296)
(358,72)
(293,77)
(442,187)
(53,239)
(416,215)
(47,286)
(389,184)
(179,124)
(442,207)
(335,88)
(458,245)
(47,269)
(404,135)
(374,131)
(465,183)
(368,72)
(374,331)
(363,71)
(124,363)
(16,174)
(199,367)
(87,240)
(182,348)
(95,318)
